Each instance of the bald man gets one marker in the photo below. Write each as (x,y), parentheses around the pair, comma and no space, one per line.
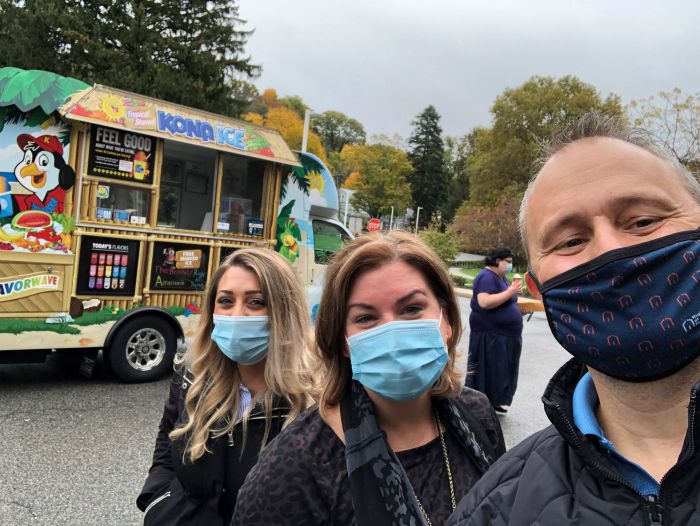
(610,226)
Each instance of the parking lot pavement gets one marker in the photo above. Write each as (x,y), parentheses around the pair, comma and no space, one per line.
(75,451)
(541,357)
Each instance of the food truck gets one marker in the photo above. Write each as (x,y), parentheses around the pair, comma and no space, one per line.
(115,209)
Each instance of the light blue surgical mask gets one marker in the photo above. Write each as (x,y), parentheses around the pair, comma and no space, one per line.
(399,360)
(243,339)
(509,268)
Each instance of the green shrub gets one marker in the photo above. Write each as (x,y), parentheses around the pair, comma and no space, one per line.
(444,245)
(460,281)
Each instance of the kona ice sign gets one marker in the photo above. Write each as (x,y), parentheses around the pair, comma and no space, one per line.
(203,131)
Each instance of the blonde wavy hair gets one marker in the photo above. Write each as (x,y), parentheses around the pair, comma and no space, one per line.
(213,397)
(369,252)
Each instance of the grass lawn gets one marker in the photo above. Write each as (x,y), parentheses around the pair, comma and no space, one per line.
(471,273)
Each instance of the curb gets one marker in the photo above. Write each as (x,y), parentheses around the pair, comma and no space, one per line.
(464,293)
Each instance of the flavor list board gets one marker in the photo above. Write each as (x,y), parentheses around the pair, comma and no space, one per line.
(107,267)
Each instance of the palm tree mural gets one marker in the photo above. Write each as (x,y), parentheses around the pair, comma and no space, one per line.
(33,96)
(288,232)
(299,176)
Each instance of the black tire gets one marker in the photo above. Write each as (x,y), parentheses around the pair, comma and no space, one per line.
(142,350)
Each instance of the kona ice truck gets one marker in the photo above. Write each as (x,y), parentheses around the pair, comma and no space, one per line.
(116,208)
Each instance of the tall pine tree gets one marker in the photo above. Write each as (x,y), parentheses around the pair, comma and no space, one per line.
(429,181)
(186,51)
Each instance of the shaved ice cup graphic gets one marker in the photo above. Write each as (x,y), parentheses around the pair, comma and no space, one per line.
(139,170)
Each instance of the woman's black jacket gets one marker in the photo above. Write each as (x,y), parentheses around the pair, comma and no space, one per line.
(178,493)
(559,477)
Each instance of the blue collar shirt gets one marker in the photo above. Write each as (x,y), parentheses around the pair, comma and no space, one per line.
(585,403)
(245,399)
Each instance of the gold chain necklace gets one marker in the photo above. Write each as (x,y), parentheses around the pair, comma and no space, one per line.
(446,459)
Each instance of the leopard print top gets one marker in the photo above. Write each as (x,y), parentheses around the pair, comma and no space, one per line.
(301,477)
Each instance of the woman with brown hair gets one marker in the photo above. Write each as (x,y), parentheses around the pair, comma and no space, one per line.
(395,439)
(242,380)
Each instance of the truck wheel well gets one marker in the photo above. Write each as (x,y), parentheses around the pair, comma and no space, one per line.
(150,311)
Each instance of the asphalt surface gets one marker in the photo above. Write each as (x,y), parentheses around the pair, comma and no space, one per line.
(76,451)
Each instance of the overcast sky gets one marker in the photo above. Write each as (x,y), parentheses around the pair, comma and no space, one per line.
(383,61)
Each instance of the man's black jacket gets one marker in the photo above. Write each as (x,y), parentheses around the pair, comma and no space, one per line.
(203,492)
(559,477)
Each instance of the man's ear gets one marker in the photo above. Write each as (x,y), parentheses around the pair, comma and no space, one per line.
(532,286)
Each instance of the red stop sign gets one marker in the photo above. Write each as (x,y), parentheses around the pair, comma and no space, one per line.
(374,225)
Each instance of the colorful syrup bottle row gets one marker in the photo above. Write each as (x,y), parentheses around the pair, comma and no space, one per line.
(107,271)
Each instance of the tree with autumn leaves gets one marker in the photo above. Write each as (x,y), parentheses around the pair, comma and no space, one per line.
(286,115)
(379,178)
(673,118)
(329,132)
(501,159)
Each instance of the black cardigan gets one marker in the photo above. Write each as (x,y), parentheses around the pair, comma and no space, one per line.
(203,492)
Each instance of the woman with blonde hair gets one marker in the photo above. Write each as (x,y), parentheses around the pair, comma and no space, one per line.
(243,379)
(395,439)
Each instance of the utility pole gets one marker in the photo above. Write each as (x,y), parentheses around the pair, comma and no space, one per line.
(391,221)
(305,139)
(418,209)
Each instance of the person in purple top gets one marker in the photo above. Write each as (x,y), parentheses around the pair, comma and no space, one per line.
(496,326)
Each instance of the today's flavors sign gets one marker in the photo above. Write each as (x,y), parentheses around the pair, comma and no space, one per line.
(107,266)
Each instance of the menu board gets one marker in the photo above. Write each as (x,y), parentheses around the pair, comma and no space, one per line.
(107,267)
(179,266)
(119,154)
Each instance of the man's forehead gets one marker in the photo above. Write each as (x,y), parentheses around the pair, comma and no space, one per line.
(571,176)
(594,153)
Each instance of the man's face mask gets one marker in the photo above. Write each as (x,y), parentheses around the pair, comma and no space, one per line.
(632,313)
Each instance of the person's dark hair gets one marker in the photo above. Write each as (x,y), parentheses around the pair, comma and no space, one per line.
(497,253)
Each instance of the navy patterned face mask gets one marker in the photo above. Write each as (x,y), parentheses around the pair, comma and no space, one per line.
(632,313)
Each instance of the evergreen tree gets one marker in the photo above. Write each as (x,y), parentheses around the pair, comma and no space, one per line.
(457,151)
(186,51)
(429,181)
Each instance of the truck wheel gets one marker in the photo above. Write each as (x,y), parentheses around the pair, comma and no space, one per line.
(142,350)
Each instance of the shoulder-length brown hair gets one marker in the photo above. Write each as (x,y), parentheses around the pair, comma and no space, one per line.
(369,252)
(212,399)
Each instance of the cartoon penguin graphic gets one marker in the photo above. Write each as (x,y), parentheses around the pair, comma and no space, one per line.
(43,172)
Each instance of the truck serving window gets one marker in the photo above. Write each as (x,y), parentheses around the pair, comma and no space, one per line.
(122,203)
(328,239)
(187,187)
(241,194)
